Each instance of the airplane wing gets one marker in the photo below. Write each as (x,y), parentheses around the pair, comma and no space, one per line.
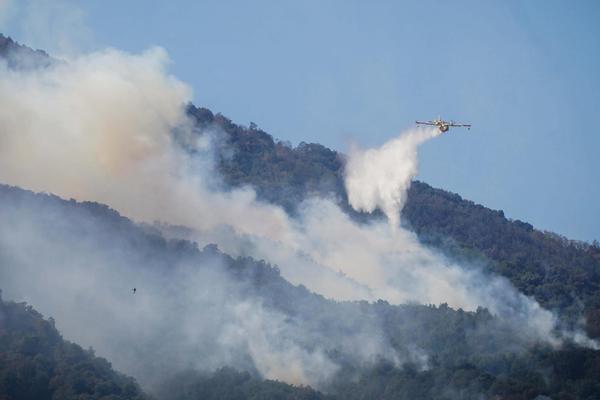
(459,125)
(425,123)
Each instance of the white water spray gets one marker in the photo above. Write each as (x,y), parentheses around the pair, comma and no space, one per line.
(380,178)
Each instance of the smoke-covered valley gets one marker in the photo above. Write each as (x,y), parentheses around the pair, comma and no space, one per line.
(201,309)
(333,295)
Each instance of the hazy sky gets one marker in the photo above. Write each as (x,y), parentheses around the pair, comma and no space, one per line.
(525,73)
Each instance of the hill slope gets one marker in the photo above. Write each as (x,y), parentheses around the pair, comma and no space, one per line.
(438,348)
(202,309)
(19,56)
(561,274)
(36,363)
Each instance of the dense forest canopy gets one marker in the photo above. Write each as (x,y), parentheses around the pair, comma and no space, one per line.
(36,363)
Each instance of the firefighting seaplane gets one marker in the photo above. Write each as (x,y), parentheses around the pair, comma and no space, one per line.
(442,125)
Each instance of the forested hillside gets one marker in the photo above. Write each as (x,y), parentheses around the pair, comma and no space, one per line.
(19,56)
(37,364)
(190,322)
(561,274)
(444,352)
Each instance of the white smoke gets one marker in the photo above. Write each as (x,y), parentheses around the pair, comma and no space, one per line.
(184,314)
(380,178)
(99,127)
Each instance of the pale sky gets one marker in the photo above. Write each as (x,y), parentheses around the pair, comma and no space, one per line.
(526,74)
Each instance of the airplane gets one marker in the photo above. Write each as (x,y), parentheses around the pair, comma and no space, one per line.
(442,125)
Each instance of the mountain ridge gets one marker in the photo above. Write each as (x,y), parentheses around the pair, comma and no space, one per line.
(21,56)
(559,273)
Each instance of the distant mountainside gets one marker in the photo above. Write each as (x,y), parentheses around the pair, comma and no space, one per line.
(19,56)
(37,364)
(561,274)
(458,347)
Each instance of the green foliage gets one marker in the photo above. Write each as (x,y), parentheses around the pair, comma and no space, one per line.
(279,173)
(37,364)
(570,373)
(229,384)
